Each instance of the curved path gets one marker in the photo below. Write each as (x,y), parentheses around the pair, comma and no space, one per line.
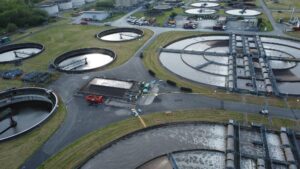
(82,119)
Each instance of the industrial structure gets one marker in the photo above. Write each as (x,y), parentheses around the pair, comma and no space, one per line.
(51,8)
(78,3)
(126,3)
(65,4)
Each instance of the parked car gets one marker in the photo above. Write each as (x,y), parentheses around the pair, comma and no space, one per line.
(107,24)
(264,111)
(84,23)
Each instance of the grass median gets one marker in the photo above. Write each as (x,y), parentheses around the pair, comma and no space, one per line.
(79,151)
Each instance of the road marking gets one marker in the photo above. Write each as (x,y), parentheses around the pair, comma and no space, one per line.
(142,121)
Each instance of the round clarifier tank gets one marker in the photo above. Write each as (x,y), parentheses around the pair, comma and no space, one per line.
(120,34)
(205,4)
(16,52)
(200,11)
(23,109)
(83,60)
(243,12)
(163,7)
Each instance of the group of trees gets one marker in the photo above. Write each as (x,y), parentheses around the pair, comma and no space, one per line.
(108,4)
(16,14)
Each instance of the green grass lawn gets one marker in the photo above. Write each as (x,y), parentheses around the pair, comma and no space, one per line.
(151,61)
(80,150)
(283,4)
(257,3)
(65,37)
(266,25)
(283,15)
(294,34)
(222,12)
(139,14)
(15,152)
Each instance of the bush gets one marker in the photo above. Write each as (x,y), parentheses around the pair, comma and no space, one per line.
(173,15)
(105,5)
(170,82)
(19,13)
(240,18)
(11,27)
(151,72)
(186,89)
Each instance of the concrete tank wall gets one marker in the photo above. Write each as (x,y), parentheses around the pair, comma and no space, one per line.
(124,3)
(289,155)
(230,131)
(65,5)
(50,9)
(88,1)
(260,163)
(77,3)
(284,139)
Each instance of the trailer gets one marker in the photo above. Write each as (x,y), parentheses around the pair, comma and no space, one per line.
(94,99)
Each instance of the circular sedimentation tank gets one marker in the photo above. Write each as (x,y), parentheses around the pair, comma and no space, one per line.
(23,109)
(21,51)
(163,7)
(200,11)
(120,34)
(204,4)
(243,12)
(83,60)
(207,60)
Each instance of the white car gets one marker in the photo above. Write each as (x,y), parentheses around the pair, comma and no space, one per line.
(264,111)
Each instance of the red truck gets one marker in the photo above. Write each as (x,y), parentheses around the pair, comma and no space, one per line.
(94,99)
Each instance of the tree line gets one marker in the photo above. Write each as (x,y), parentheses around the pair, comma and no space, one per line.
(16,14)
